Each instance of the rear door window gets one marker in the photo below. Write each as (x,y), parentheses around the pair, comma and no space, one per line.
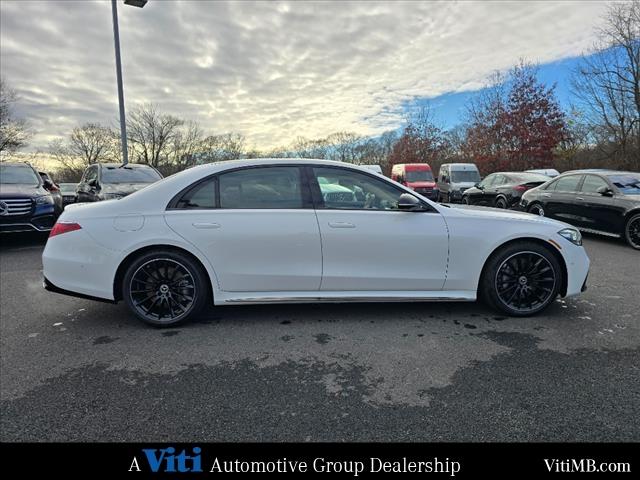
(568,184)
(263,187)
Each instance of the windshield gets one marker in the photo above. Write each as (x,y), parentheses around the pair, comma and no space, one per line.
(465,176)
(68,187)
(18,174)
(129,175)
(628,184)
(419,176)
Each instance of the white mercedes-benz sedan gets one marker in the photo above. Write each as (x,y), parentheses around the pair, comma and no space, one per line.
(292,230)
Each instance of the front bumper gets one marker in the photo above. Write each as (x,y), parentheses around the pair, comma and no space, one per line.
(43,223)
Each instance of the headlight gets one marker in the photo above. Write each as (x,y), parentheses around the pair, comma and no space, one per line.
(44,200)
(571,234)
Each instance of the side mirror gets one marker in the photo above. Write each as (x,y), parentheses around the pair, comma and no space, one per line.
(477,185)
(93,183)
(409,203)
(605,191)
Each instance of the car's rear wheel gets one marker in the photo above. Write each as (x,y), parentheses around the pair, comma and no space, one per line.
(164,288)
(522,279)
(537,209)
(632,231)
(501,203)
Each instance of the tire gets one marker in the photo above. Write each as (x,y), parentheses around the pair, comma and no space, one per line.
(501,203)
(537,209)
(508,286)
(439,198)
(165,288)
(465,200)
(632,231)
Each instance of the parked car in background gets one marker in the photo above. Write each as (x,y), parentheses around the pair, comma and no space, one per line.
(417,177)
(549,172)
(373,168)
(502,189)
(68,191)
(454,179)
(106,181)
(600,201)
(54,189)
(25,204)
(265,231)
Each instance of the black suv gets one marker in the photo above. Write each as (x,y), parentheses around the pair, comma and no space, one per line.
(25,203)
(106,181)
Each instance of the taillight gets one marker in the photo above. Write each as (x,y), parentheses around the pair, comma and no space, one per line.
(520,188)
(63,227)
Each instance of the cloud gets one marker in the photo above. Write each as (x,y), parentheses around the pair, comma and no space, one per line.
(272,71)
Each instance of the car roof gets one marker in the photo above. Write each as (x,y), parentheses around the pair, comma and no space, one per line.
(459,165)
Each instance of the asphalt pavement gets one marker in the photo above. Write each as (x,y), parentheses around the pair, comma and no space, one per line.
(77,370)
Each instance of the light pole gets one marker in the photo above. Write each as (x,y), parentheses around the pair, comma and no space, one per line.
(116,41)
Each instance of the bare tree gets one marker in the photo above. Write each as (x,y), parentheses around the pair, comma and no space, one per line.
(14,133)
(71,166)
(151,134)
(185,145)
(607,84)
(216,148)
(92,142)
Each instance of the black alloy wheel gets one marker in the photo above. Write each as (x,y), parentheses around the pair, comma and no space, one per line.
(632,231)
(164,288)
(522,280)
(501,203)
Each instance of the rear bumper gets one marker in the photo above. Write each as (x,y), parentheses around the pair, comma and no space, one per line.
(50,287)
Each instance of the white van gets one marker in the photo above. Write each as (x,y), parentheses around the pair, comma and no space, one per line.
(454,179)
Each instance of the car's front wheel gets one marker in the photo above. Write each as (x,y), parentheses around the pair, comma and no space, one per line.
(164,288)
(521,279)
(632,231)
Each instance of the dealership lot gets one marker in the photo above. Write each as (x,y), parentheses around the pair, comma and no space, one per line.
(78,370)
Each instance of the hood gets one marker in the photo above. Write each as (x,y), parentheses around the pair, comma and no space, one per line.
(8,190)
(463,184)
(421,184)
(122,188)
(507,215)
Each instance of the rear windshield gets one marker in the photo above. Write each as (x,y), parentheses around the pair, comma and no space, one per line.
(529,178)
(628,184)
(419,176)
(459,176)
(129,175)
(18,174)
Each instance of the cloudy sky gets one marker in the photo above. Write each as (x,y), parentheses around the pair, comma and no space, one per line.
(275,70)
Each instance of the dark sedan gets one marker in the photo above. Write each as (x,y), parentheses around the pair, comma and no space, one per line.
(603,201)
(502,189)
(68,193)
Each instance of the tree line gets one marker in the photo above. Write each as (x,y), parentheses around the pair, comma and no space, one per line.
(515,123)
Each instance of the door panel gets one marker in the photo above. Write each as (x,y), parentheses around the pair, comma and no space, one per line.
(383,250)
(594,210)
(561,200)
(258,250)
(368,243)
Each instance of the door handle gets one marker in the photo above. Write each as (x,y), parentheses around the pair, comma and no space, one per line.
(546,195)
(204,225)
(579,198)
(341,225)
